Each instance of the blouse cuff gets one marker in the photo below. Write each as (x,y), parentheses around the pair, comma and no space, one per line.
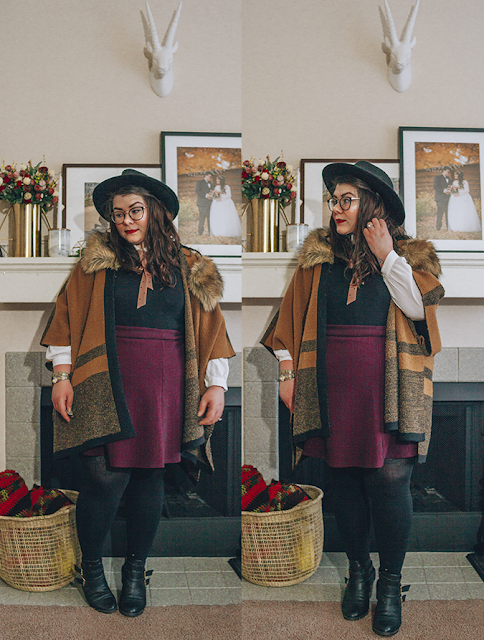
(58,355)
(282,355)
(217,373)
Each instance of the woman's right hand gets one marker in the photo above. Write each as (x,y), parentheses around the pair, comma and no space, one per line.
(286,392)
(62,398)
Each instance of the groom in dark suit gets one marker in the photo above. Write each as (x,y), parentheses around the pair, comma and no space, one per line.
(442,184)
(202,188)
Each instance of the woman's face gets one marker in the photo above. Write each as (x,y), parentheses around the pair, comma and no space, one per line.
(217,180)
(134,231)
(346,220)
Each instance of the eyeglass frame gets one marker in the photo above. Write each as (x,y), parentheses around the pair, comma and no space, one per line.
(338,201)
(125,213)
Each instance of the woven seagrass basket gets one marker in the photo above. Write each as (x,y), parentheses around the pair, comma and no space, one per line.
(39,553)
(280,548)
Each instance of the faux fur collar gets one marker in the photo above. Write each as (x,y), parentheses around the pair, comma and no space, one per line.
(420,254)
(203,277)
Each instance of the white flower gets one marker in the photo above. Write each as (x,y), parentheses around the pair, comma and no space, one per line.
(56,193)
(265,191)
(27,181)
(27,196)
(1,180)
(264,175)
(294,187)
(289,167)
(42,183)
(257,173)
(260,163)
(51,173)
(23,167)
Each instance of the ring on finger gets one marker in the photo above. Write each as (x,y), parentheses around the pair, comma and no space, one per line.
(370,224)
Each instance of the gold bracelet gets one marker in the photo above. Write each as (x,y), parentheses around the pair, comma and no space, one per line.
(286,374)
(58,376)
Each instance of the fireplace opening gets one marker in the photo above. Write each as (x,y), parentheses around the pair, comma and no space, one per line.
(211,508)
(447,490)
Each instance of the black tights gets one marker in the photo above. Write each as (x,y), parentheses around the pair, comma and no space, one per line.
(382,494)
(101,492)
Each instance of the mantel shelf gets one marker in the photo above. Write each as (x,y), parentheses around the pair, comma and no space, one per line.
(38,280)
(267,275)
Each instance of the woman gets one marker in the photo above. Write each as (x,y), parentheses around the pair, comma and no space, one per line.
(224,219)
(355,336)
(462,210)
(139,321)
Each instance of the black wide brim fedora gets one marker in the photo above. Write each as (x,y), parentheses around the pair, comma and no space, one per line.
(130,177)
(374,177)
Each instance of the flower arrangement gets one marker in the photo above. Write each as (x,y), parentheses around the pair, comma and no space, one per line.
(28,184)
(267,179)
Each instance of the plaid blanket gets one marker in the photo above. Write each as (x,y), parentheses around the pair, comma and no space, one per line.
(18,502)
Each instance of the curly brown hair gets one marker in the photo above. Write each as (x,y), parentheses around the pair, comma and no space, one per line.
(162,241)
(353,248)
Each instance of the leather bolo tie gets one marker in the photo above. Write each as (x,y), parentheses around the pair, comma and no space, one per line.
(146,279)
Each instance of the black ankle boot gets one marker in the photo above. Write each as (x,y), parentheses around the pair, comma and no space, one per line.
(133,595)
(388,612)
(356,599)
(96,591)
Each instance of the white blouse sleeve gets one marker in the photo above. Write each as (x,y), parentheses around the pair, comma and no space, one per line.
(398,277)
(217,373)
(465,190)
(282,355)
(58,355)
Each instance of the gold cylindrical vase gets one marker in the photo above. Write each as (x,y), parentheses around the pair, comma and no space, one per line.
(26,230)
(263,223)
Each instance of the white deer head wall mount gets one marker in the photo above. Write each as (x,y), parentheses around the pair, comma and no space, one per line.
(160,56)
(398,51)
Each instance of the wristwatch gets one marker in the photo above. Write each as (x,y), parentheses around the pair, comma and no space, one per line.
(286,374)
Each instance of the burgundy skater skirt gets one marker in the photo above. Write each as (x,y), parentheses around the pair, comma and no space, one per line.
(355,366)
(152,367)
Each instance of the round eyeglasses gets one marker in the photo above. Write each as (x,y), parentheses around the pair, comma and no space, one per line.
(344,202)
(136,213)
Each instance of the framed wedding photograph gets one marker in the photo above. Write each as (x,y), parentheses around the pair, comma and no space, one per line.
(441,178)
(315,195)
(78,183)
(204,170)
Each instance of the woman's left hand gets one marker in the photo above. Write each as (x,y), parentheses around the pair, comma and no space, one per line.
(379,239)
(212,405)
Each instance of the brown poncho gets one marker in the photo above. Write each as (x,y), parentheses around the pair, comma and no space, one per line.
(84,319)
(409,354)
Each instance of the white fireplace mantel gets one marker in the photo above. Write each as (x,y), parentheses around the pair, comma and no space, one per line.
(38,280)
(267,275)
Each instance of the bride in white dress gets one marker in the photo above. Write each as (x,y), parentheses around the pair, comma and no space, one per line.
(224,219)
(462,211)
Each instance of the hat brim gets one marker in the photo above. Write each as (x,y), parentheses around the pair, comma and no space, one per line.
(159,190)
(393,204)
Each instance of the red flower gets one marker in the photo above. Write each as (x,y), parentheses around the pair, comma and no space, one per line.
(36,187)
(257,179)
(277,192)
(275,183)
(43,169)
(281,164)
(246,163)
(38,196)
(289,185)
(245,174)
(6,180)
(292,195)
(8,168)
(26,187)
(266,196)
(2,187)
(260,168)
(55,199)
(264,183)
(51,191)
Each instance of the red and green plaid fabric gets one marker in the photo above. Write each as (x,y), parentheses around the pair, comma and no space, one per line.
(17,501)
(258,497)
